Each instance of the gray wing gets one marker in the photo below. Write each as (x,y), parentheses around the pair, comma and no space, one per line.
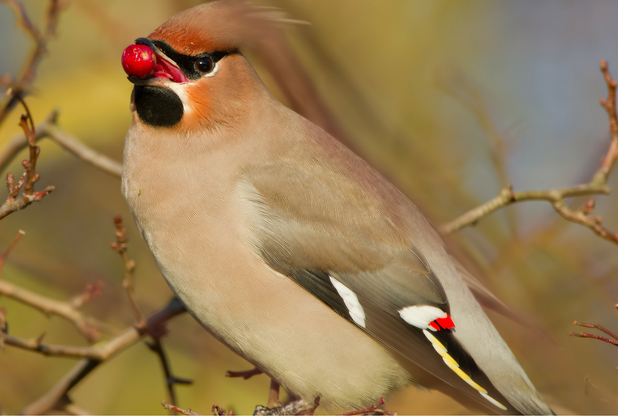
(329,234)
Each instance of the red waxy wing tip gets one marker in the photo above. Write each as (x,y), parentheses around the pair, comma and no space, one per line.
(445,323)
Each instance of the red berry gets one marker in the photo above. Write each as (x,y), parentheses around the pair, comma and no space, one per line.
(139,61)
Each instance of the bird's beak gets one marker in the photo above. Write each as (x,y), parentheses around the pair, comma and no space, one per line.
(165,68)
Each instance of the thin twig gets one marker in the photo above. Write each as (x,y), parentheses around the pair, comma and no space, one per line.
(14,202)
(177,409)
(170,380)
(23,201)
(462,88)
(246,375)
(59,392)
(68,351)
(20,142)
(599,327)
(83,152)
(8,250)
(50,129)
(120,246)
(556,197)
(21,85)
(600,338)
(127,338)
(87,326)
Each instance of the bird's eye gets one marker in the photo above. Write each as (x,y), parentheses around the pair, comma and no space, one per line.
(205,65)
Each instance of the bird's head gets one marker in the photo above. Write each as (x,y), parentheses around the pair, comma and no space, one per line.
(189,73)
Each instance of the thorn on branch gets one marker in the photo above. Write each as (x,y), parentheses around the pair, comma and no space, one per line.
(39,340)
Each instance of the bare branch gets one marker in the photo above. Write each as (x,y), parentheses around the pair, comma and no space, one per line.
(20,86)
(14,202)
(8,250)
(462,88)
(69,351)
(598,185)
(177,409)
(600,338)
(23,201)
(51,130)
(127,338)
(83,152)
(61,389)
(170,380)
(613,341)
(20,142)
(87,326)
(609,105)
(120,246)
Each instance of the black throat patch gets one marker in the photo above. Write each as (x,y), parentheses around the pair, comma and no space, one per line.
(157,106)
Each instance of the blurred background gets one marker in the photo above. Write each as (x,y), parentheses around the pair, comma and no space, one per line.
(450,100)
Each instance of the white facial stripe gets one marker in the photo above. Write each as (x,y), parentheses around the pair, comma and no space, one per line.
(421,315)
(454,366)
(179,89)
(357,313)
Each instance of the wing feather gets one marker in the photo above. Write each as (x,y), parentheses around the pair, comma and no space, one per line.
(313,227)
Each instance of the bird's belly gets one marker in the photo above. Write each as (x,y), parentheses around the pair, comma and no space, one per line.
(295,338)
(270,320)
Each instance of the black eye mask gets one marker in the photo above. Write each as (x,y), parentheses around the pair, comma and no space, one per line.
(185,62)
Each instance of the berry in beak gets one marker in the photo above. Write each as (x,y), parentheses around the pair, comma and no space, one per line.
(144,60)
(139,61)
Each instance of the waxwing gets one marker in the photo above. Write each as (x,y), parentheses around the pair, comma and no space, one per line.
(285,245)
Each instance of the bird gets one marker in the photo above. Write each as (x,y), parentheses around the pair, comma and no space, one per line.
(284,244)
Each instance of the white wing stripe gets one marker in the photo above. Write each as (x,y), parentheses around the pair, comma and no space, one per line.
(357,313)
